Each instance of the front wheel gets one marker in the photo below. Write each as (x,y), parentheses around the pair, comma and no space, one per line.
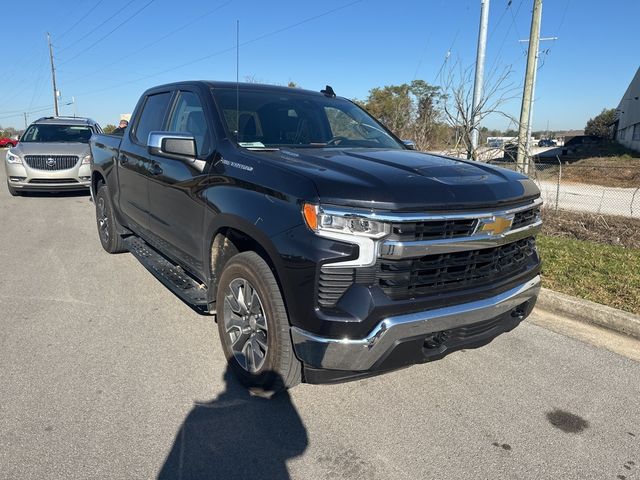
(254,327)
(109,238)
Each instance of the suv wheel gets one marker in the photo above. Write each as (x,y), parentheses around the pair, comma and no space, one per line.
(253,325)
(109,238)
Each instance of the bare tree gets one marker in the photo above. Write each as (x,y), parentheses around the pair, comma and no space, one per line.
(457,85)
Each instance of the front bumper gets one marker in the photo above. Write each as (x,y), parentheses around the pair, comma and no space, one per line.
(411,338)
(23,177)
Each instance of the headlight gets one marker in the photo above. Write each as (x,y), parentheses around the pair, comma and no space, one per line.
(328,222)
(12,158)
(353,228)
(86,160)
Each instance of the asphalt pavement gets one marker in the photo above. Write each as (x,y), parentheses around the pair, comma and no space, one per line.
(105,374)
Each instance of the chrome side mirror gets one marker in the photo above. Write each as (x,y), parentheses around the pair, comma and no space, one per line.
(173,145)
(410,144)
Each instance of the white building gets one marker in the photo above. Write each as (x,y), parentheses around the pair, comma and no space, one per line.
(627,125)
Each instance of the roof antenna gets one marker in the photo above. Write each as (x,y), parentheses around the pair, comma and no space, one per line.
(328,92)
(237,80)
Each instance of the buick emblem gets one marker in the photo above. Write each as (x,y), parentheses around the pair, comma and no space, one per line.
(51,162)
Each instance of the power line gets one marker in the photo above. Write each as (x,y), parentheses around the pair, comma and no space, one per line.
(495,27)
(447,55)
(20,114)
(109,33)
(220,52)
(93,30)
(494,64)
(155,42)
(79,20)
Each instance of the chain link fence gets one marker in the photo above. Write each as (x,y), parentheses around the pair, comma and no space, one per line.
(597,188)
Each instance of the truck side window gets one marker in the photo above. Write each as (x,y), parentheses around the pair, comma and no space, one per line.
(342,125)
(152,116)
(188,117)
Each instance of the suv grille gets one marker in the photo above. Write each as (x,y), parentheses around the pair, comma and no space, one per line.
(51,162)
(404,279)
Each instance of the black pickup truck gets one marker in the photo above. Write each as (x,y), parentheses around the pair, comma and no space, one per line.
(327,248)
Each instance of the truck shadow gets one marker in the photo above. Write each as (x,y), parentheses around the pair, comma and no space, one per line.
(237,436)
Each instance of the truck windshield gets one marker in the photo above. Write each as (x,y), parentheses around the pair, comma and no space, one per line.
(57,133)
(273,119)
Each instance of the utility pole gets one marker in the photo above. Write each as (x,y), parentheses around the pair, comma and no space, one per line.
(25,120)
(533,95)
(479,80)
(529,80)
(53,76)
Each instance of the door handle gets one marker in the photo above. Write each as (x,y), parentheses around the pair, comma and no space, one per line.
(156,169)
(123,160)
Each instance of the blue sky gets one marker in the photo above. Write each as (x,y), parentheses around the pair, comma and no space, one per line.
(108,52)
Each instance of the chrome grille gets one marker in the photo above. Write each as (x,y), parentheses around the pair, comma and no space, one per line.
(51,162)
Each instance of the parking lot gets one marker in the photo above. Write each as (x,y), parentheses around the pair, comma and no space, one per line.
(106,374)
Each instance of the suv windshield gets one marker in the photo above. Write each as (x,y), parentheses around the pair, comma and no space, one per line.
(272,119)
(57,133)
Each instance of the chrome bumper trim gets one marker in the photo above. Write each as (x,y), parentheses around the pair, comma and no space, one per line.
(362,354)
(402,250)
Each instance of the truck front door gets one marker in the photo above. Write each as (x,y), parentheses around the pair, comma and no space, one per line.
(175,204)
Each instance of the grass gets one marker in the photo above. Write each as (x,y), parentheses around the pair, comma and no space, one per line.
(606,274)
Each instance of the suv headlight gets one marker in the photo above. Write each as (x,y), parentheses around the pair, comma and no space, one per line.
(13,158)
(86,160)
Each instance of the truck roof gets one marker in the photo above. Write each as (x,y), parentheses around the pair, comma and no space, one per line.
(240,85)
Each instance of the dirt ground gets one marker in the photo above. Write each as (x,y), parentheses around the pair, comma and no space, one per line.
(605,171)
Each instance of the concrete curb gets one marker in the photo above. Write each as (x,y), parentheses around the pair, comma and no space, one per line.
(590,312)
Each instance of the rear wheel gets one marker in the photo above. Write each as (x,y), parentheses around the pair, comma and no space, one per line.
(254,327)
(109,238)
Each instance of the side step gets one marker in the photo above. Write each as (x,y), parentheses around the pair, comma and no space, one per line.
(171,275)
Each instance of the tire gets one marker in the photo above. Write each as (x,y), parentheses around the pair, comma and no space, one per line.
(111,241)
(255,323)
(14,192)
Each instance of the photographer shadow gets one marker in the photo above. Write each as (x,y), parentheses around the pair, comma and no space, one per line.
(237,436)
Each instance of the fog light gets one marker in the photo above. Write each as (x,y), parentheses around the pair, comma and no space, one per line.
(17,179)
(85,178)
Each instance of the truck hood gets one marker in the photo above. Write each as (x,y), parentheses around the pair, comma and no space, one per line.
(38,148)
(406,180)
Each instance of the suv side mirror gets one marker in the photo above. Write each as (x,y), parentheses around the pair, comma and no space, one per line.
(172,145)
(409,144)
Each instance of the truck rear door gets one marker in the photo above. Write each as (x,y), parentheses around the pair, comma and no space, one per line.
(135,163)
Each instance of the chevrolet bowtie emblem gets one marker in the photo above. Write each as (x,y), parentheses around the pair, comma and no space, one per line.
(496,225)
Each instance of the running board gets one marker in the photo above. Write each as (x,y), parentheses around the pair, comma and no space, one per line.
(171,275)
